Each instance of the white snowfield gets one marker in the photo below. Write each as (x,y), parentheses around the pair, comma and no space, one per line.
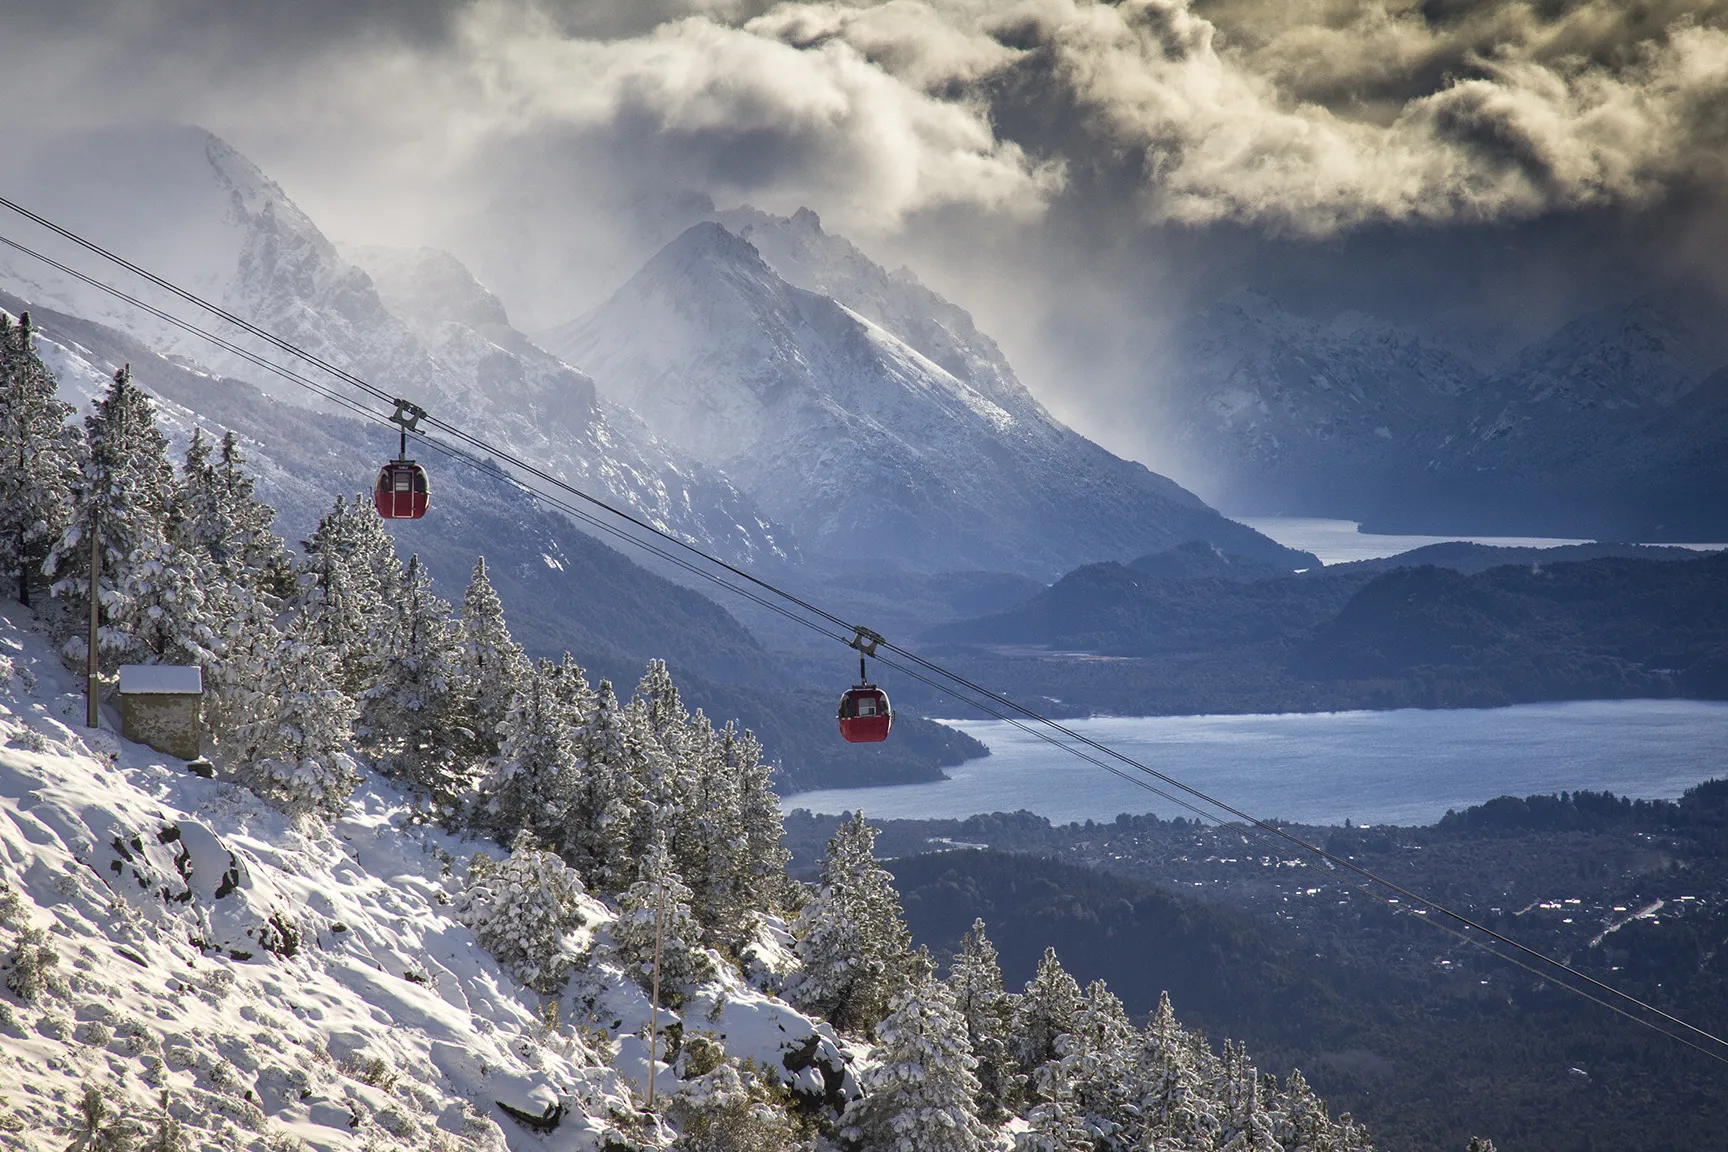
(280,987)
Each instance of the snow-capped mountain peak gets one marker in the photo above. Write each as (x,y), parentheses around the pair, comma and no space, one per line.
(863,441)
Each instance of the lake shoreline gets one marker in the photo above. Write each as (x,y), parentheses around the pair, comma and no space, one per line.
(1375,766)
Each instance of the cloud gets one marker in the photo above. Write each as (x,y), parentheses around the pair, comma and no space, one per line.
(1227,134)
(1304,116)
(743,114)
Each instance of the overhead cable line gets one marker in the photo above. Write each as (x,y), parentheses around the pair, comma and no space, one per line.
(998,699)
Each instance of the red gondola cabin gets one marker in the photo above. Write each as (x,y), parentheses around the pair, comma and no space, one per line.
(865,715)
(402,492)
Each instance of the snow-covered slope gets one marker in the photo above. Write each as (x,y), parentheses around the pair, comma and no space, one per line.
(282,982)
(185,205)
(867,446)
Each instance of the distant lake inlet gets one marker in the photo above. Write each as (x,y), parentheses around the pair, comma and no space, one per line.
(1398,767)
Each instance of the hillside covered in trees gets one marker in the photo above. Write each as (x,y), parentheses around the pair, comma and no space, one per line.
(1191,631)
(432,894)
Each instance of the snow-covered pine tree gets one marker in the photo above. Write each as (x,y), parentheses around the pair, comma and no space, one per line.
(152,603)
(921,1095)
(492,667)
(413,716)
(1244,1123)
(531,785)
(661,893)
(655,725)
(207,524)
(708,836)
(570,687)
(852,939)
(975,980)
(1170,1086)
(1045,1012)
(298,754)
(1300,1123)
(250,546)
(603,802)
(1099,1061)
(522,908)
(352,582)
(762,879)
(39,458)
(1054,1123)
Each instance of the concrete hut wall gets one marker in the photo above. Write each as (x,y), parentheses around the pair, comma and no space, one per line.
(162,705)
(170,722)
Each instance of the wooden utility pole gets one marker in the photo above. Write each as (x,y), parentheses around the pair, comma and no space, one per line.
(654,996)
(92,670)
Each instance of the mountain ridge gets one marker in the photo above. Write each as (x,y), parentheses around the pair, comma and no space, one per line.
(864,444)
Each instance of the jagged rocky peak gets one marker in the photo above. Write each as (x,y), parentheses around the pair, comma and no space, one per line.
(866,445)
(801,252)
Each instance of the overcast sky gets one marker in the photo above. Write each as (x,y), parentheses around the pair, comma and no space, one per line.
(1079,174)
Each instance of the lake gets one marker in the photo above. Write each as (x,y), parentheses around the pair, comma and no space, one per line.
(1399,767)
(1339,541)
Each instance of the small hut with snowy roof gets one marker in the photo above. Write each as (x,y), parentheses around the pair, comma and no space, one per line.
(162,705)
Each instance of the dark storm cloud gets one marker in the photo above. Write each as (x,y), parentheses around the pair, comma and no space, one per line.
(1298,115)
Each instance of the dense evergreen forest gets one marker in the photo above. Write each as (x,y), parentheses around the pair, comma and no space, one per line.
(1425,1037)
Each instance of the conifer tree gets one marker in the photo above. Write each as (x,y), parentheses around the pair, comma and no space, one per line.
(1099,1061)
(1169,1084)
(921,1095)
(1046,1011)
(38,458)
(1055,1123)
(656,731)
(976,983)
(521,909)
(250,546)
(352,588)
(532,783)
(570,688)
(763,882)
(600,818)
(413,715)
(151,591)
(1300,1123)
(298,754)
(852,938)
(661,895)
(492,666)
(708,836)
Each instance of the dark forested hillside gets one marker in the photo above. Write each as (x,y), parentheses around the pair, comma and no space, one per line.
(1117,639)
(1418,1033)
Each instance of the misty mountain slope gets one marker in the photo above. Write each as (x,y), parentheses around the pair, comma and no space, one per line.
(185,205)
(1290,415)
(1617,423)
(562,589)
(1613,426)
(864,445)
